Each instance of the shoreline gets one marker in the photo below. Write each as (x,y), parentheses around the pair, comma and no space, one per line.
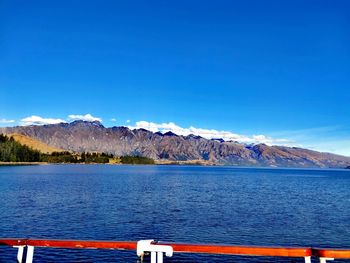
(157,163)
(22,163)
(166,163)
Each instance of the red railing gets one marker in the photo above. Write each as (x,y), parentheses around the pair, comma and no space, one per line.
(240,250)
(304,252)
(331,253)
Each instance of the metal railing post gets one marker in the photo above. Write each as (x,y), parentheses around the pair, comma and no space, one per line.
(153,257)
(19,253)
(30,254)
(159,257)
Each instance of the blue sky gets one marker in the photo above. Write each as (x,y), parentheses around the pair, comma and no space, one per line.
(280,69)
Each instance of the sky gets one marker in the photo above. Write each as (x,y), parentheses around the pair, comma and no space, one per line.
(276,72)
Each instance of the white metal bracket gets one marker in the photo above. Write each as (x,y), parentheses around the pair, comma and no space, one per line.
(324,260)
(155,250)
(307,259)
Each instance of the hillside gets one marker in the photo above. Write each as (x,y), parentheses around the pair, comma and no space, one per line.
(34,144)
(82,136)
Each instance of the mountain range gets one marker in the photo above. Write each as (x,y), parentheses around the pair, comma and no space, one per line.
(83,136)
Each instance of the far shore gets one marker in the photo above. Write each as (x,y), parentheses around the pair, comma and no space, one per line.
(46,163)
(21,163)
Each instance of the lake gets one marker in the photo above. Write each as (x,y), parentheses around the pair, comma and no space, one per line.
(192,204)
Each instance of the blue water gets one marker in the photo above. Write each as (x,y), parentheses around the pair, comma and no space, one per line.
(242,206)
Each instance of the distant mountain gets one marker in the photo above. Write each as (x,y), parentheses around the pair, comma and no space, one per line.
(82,136)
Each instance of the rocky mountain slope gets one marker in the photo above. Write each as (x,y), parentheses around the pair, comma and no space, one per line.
(81,136)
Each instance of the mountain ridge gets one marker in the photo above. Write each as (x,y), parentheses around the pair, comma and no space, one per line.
(82,136)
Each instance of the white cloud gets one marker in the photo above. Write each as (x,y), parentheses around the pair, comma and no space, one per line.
(6,121)
(269,140)
(86,117)
(127,121)
(207,133)
(113,119)
(37,120)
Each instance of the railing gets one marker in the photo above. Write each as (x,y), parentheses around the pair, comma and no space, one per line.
(158,249)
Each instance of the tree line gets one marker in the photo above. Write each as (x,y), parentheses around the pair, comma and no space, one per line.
(13,151)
